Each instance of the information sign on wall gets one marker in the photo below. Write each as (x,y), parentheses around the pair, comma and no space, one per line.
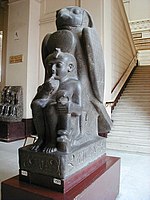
(16,59)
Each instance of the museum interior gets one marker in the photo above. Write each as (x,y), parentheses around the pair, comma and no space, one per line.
(27,28)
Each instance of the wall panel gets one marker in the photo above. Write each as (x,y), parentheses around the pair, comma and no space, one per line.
(122,53)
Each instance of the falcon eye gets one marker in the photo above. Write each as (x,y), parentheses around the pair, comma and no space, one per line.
(76,11)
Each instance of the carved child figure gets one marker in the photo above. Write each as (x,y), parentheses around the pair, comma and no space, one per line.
(57,101)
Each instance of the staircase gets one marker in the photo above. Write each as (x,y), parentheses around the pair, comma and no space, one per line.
(131,115)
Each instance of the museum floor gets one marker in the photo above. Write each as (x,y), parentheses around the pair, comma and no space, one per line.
(135,170)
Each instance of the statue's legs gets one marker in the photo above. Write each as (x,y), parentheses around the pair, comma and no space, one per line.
(51,119)
(64,132)
(58,130)
(38,120)
(64,124)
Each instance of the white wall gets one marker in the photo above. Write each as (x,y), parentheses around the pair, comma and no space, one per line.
(107,49)
(122,48)
(23,19)
(16,74)
(3,27)
(32,54)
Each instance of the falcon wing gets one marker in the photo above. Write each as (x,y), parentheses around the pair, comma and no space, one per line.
(95,60)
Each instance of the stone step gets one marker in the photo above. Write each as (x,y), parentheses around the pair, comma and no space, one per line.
(137,88)
(142,106)
(137,85)
(125,117)
(142,70)
(134,98)
(130,127)
(136,110)
(141,73)
(135,93)
(130,133)
(131,109)
(128,147)
(134,104)
(138,78)
(141,76)
(131,115)
(131,120)
(132,123)
(137,100)
(124,108)
(127,140)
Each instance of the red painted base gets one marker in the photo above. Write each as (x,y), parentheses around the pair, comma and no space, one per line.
(102,184)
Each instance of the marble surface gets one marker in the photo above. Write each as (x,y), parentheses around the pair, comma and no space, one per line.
(135,173)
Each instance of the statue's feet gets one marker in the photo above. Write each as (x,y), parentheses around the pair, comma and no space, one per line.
(37,145)
(63,144)
(49,149)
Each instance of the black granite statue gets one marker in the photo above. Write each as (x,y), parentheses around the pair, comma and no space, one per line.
(11,106)
(57,104)
(68,110)
(76,35)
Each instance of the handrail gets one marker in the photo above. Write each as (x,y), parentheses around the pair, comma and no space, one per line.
(123,79)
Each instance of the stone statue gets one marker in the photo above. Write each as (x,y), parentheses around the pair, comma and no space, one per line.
(57,103)
(68,110)
(11,106)
(77,37)
(76,34)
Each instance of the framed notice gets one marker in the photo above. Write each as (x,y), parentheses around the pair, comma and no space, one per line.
(16,59)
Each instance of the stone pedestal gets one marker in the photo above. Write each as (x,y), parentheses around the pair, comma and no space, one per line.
(54,170)
(11,131)
(101,183)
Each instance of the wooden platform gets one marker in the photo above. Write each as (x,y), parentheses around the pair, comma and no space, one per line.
(102,184)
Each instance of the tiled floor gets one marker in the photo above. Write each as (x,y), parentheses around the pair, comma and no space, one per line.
(135,170)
